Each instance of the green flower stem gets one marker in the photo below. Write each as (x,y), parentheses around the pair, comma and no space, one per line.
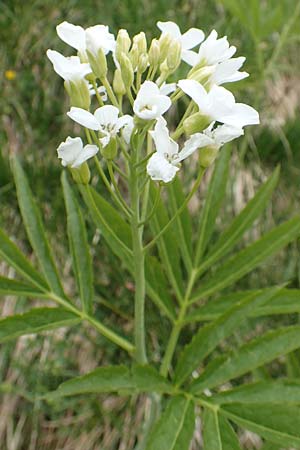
(105,331)
(179,210)
(139,263)
(117,191)
(98,96)
(154,207)
(167,359)
(177,133)
(110,92)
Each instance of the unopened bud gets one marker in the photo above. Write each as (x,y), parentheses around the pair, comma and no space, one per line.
(207,155)
(123,43)
(98,63)
(134,56)
(110,150)
(126,70)
(141,42)
(164,68)
(164,45)
(154,53)
(79,93)
(143,63)
(81,174)
(196,123)
(202,75)
(118,85)
(174,56)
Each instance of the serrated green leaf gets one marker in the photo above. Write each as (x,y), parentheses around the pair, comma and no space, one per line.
(119,379)
(13,287)
(35,321)
(242,222)
(79,247)
(272,392)
(35,229)
(175,427)
(217,432)
(208,337)
(277,423)
(214,198)
(250,356)
(286,301)
(249,258)
(12,255)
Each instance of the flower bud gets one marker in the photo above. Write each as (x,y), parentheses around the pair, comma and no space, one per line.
(81,175)
(79,93)
(207,155)
(123,43)
(154,53)
(134,56)
(118,85)
(174,56)
(196,123)
(143,63)
(110,150)
(141,42)
(202,75)
(98,63)
(164,45)
(126,70)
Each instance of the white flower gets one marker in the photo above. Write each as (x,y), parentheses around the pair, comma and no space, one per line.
(188,40)
(73,154)
(162,166)
(219,104)
(150,103)
(167,88)
(92,38)
(70,69)
(216,137)
(228,71)
(212,51)
(105,119)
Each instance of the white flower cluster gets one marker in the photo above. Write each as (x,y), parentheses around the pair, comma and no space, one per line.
(212,119)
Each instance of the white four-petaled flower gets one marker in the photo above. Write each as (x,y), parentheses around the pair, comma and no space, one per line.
(150,103)
(219,104)
(188,40)
(163,164)
(72,152)
(69,68)
(105,119)
(91,39)
(211,51)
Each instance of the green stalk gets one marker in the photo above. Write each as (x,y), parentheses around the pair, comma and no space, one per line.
(139,264)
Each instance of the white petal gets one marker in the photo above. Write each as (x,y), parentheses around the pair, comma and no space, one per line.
(170,28)
(105,139)
(86,153)
(227,71)
(221,102)
(241,115)
(147,90)
(195,90)
(107,115)
(159,169)
(226,133)
(84,118)
(163,103)
(191,38)
(127,130)
(167,88)
(149,103)
(197,140)
(163,143)
(69,150)
(68,68)
(123,121)
(72,35)
(98,37)
(190,57)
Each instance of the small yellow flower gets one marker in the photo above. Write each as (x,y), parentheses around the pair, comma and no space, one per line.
(10,74)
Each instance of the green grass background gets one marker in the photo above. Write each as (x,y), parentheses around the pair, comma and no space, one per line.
(33,123)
